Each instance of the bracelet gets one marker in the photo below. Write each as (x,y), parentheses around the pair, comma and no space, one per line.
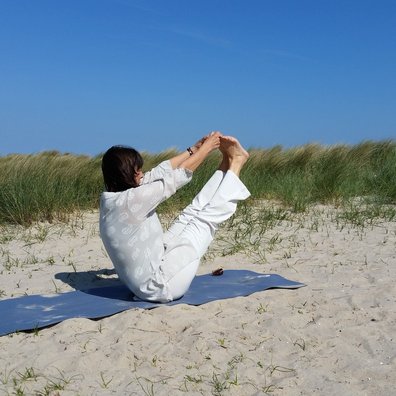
(190,151)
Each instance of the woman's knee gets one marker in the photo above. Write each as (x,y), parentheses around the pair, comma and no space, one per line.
(179,284)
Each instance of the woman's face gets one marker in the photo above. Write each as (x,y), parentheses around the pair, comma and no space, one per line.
(139,176)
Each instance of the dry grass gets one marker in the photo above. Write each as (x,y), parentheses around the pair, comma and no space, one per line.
(51,185)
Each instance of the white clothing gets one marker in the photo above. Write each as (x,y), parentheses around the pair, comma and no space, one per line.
(157,266)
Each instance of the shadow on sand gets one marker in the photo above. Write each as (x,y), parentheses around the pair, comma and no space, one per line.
(89,279)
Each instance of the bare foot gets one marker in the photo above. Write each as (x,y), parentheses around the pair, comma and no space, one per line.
(232,150)
(231,146)
(225,163)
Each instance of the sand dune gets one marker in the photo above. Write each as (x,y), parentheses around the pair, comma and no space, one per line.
(335,336)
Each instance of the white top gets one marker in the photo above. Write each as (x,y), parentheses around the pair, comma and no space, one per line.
(131,231)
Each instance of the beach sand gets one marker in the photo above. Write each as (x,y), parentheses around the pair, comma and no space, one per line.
(336,336)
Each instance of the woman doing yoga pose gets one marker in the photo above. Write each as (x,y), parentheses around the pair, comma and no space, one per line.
(156,265)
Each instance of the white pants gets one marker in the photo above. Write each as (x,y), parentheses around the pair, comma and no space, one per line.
(189,237)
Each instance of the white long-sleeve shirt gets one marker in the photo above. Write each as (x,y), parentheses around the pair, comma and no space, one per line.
(131,231)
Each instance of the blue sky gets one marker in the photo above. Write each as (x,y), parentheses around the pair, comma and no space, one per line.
(81,75)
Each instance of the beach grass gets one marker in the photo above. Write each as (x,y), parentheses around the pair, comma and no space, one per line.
(49,186)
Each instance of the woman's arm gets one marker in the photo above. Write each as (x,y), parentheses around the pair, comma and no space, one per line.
(210,143)
(185,160)
(180,158)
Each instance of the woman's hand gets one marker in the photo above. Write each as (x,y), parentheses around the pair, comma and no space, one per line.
(194,155)
(201,141)
(197,145)
(211,141)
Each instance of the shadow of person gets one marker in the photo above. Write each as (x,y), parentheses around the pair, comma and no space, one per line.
(84,280)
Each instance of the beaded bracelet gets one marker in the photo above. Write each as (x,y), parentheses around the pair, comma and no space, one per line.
(190,151)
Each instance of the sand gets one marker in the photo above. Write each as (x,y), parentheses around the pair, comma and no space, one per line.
(336,336)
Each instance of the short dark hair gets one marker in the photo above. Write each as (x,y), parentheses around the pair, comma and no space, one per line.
(119,166)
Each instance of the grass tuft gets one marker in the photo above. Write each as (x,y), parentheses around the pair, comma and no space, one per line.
(50,185)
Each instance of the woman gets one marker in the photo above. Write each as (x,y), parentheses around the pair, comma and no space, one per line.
(158,266)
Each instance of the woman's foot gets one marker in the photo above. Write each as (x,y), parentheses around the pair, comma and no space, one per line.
(225,162)
(234,155)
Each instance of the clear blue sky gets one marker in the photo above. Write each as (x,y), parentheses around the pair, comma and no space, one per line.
(81,75)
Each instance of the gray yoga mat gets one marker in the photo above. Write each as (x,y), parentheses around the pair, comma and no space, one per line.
(36,311)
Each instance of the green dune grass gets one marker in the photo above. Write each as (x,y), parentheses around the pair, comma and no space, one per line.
(50,185)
